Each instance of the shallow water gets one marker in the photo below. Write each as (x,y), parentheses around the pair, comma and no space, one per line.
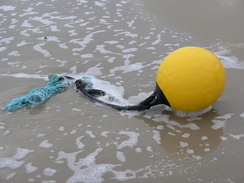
(121,43)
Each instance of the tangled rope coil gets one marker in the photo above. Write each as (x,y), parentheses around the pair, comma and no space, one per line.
(56,84)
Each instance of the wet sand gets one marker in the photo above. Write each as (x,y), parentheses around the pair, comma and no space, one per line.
(207,21)
(69,139)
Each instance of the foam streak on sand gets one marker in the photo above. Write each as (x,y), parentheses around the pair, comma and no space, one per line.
(68,139)
(25,75)
(15,162)
(237,136)
(85,169)
(130,142)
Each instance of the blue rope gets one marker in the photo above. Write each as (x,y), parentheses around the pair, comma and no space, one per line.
(87,80)
(40,95)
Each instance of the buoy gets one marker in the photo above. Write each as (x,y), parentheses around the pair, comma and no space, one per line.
(190,79)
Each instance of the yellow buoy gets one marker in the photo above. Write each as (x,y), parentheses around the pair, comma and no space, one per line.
(191,78)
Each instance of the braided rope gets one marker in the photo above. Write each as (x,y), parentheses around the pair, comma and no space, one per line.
(56,84)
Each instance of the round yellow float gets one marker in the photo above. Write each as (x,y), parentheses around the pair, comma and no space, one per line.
(191,79)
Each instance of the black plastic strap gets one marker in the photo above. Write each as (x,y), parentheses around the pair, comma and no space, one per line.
(156,98)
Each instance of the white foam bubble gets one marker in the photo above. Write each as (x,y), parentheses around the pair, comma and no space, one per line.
(49,172)
(39,48)
(192,114)
(102,50)
(7,40)
(73,131)
(130,24)
(184,144)
(31,180)
(7,132)
(86,40)
(45,144)
(63,45)
(24,75)
(165,118)
(85,169)
(120,156)
(204,138)
(127,34)
(76,109)
(224,54)
(40,135)
(24,67)
(207,150)
(73,69)
(49,181)
(156,136)
(95,71)
(10,176)
(78,142)
(150,48)
(218,124)
(223,138)
(25,33)
(111,60)
(226,116)
(150,149)
(22,153)
(28,13)
(61,128)
(139,97)
(120,46)
(160,127)
(105,133)
(131,142)
(138,149)
(44,21)
(190,151)
(195,118)
(186,135)
(51,38)
(158,40)
(111,42)
(128,68)
(30,168)
(197,157)
(97,3)
(87,55)
(26,24)
(242,115)
(8,8)
(90,133)
(124,175)
(2,49)
(62,62)
(237,136)
(128,50)
(113,90)
(12,162)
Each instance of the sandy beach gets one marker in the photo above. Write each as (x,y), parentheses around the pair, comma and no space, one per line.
(121,44)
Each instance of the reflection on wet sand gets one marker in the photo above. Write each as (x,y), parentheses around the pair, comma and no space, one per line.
(185,138)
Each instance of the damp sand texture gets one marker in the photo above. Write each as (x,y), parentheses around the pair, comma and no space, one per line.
(121,43)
